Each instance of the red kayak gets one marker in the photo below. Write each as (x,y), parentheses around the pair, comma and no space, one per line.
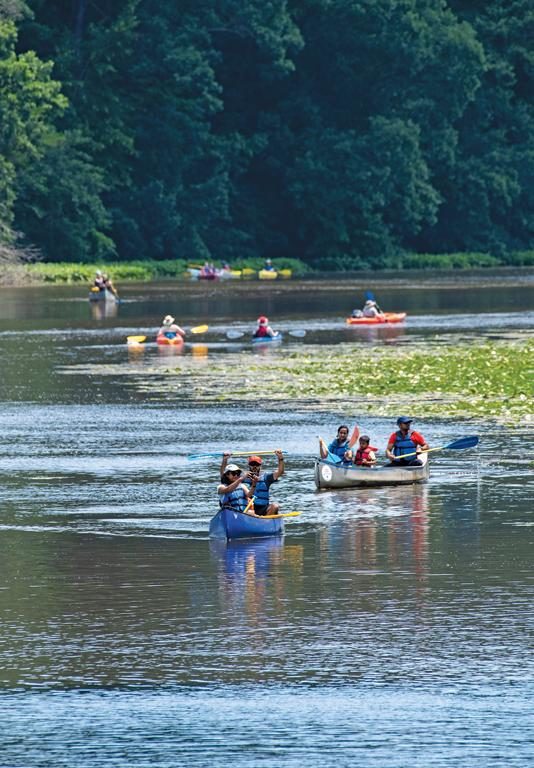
(176,341)
(384,319)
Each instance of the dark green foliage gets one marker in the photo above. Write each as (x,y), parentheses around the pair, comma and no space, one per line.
(350,133)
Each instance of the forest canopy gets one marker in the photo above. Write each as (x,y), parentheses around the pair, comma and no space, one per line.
(339,131)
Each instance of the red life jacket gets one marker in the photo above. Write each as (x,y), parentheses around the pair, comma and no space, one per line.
(260,332)
(362,456)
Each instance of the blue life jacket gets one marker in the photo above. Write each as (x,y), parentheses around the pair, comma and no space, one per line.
(403,445)
(261,491)
(339,450)
(235,500)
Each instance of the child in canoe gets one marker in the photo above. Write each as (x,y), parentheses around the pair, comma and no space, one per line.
(365,454)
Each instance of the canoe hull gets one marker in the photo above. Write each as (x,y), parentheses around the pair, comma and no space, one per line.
(177,341)
(333,476)
(103,296)
(236,525)
(267,339)
(386,319)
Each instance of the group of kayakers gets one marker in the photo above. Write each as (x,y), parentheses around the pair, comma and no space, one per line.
(403,442)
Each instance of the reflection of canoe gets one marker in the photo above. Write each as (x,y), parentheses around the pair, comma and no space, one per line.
(176,341)
(241,557)
(236,525)
(276,339)
(267,274)
(329,475)
(384,319)
(98,295)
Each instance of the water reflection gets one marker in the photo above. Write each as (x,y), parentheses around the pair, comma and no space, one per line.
(100,310)
(394,520)
(389,334)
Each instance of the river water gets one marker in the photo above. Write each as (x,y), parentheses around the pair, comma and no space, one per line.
(389,627)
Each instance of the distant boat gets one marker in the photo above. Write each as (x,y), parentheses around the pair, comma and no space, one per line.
(383,319)
(95,294)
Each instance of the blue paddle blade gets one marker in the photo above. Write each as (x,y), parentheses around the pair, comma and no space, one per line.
(464,442)
(234,334)
(193,456)
(369,295)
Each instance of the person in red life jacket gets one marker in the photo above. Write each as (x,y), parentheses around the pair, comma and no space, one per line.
(405,441)
(365,453)
(263,329)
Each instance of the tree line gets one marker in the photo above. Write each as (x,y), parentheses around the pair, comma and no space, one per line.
(339,131)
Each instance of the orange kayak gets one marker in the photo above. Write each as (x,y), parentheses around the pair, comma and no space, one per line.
(176,341)
(384,319)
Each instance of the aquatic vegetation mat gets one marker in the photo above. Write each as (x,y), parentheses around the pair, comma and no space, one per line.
(491,379)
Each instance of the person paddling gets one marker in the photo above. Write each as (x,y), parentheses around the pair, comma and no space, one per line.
(169,329)
(99,281)
(263,329)
(405,441)
(341,446)
(108,284)
(233,494)
(365,454)
(260,482)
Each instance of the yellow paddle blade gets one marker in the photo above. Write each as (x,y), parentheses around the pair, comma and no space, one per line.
(282,514)
(199,329)
(135,339)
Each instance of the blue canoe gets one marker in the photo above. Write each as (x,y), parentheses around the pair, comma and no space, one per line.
(228,524)
(267,339)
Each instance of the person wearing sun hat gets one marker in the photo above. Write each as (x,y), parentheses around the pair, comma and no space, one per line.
(405,441)
(263,329)
(170,329)
(232,493)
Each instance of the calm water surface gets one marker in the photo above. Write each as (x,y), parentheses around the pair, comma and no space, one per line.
(390,627)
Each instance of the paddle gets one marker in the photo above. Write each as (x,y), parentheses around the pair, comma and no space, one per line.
(192,456)
(135,339)
(456,445)
(330,457)
(299,333)
(281,514)
(250,503)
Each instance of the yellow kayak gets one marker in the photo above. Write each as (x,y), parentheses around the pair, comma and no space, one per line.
(266,274)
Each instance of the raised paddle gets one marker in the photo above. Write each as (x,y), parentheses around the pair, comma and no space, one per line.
(192,456)
(456,445)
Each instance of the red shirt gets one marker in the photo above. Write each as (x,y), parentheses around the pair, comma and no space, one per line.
(415,436)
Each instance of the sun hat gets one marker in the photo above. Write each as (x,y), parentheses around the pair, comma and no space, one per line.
(255,459)
(404,420)
(168,320)
(262,320)
(232,468)
(98,272)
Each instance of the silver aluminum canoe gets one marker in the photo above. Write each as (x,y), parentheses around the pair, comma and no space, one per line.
(334,476)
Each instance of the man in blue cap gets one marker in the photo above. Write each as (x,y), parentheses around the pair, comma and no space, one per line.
(405,441)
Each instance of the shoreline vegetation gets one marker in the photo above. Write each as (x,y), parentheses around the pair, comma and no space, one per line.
(15,272)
